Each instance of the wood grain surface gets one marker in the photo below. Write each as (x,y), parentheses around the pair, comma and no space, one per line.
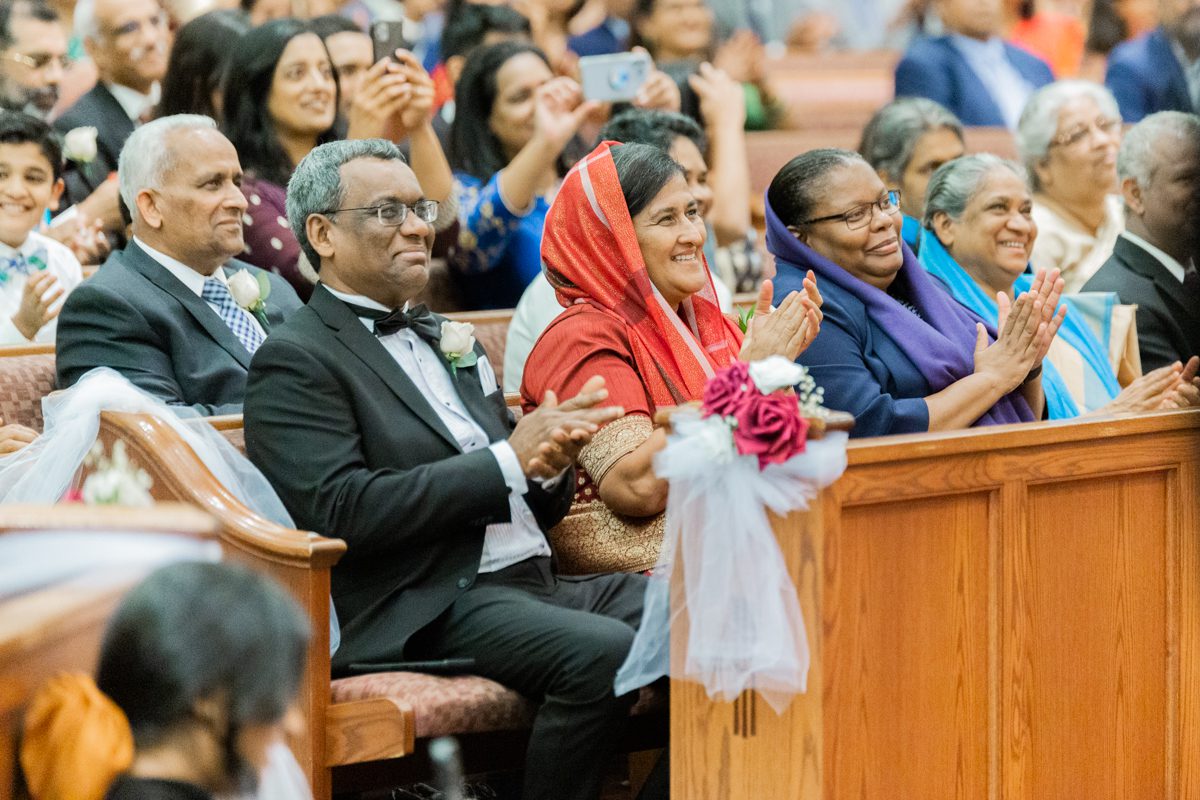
(1004,614)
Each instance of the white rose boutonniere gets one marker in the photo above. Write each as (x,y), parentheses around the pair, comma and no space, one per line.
(251,292)
(79,145)
(458,345)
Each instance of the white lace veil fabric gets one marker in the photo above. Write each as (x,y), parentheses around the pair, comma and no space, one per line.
(42,472)
(745,629)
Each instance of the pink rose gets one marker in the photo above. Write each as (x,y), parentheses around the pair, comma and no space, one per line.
(770,427)
(729,390)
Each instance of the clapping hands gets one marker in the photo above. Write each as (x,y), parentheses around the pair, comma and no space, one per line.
(548,439)
(39,303)
(1027,327)
(785,331)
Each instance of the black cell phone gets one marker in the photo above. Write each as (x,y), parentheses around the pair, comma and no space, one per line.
(387,36)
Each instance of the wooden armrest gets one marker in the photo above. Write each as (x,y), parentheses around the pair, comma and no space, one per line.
(225,422)
(369,730)
(179,475)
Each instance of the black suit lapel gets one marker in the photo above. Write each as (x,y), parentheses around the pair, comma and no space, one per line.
(116,125)
(201,311)
(1168,288)
(358,340)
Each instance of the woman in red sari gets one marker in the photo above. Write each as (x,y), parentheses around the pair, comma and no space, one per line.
(623,248)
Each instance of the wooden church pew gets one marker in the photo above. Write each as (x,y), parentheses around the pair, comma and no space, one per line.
(366,731)
(994,614)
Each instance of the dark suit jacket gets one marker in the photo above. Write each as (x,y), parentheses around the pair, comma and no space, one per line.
(934,68)
(136,317)
(99,109)
(357,452)
(1145,76)
(860,367)
(1168,325)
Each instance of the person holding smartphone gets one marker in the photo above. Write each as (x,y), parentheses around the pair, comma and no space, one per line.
(280,101)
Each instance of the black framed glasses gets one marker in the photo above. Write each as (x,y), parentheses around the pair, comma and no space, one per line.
(1105,125)
(392,215)
(861,215)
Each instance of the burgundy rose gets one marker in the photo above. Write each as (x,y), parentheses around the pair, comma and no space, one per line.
(729,390)
(770,427)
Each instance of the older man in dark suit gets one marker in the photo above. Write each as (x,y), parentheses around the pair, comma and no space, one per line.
(1152,263)
(172,311)
(383,425)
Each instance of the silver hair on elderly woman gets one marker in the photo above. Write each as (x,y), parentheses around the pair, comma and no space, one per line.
(955,183)
(907,140)
(1068,137)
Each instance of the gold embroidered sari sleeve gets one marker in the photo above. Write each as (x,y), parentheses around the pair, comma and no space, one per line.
(613,442)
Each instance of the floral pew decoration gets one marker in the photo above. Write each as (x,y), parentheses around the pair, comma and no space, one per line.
(755,444)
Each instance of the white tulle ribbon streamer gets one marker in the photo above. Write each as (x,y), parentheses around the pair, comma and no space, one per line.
(41,472)
(745,629)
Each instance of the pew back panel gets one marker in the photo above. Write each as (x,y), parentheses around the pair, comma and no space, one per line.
(1005,614)
(26,376)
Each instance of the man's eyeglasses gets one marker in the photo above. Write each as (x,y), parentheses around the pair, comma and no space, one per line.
(392,215)
(1106,125)
(861,215)
(39,61)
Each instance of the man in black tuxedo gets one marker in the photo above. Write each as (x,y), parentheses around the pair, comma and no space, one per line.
(163,311)
(371,432)
(1152,263)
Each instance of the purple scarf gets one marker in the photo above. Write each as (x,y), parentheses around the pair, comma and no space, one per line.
(940,343)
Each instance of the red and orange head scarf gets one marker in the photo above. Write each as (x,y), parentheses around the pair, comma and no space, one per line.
(591,256)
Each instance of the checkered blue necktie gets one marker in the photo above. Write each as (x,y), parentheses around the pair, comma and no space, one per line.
(216,292)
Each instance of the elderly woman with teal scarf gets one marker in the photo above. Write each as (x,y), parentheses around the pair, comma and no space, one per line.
(977,237)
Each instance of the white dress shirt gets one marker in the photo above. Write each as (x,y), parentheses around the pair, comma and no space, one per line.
(989,61)
(193,280)
(135,104)
(504,543)
(60,262)
(1179,271)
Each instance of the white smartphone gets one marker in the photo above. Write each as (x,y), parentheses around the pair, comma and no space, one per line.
(613,78)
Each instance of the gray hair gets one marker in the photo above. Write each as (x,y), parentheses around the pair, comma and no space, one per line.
(1039,120)
(956,182)
(145,158)
(316,184)
(1141,154)
(891,136)
(84,19)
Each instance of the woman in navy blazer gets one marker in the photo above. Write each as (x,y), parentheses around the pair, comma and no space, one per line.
(894,349)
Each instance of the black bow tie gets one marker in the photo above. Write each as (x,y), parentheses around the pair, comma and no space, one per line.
(418,318)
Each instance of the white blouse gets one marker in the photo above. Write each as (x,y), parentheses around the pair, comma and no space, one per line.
(1064,245)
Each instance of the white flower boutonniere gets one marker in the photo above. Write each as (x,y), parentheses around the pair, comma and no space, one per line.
(458,345)
(251,292)
(79,145)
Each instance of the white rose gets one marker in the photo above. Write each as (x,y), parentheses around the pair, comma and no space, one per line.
(715,438)
(244,288)
(458,338)
(775,372)
(80,144)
